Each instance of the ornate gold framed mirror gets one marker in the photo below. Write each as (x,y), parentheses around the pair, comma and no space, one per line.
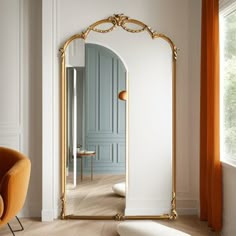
(101,135)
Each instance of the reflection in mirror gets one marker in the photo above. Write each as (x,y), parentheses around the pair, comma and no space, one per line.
(96,130)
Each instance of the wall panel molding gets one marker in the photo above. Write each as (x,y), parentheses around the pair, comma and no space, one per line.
(10,140)
(11,75)
(49,181)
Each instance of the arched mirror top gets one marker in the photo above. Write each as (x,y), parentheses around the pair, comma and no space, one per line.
(128,24)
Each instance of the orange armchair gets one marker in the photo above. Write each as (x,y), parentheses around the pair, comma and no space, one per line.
(14,181)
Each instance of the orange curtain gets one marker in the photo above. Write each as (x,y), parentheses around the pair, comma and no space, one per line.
(210,166)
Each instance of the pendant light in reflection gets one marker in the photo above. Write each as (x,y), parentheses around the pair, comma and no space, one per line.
(123,95)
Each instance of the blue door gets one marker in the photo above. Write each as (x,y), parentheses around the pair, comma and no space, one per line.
(104,112)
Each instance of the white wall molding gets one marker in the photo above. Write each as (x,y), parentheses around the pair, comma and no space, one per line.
(48,62)
(47,215)
(10,140)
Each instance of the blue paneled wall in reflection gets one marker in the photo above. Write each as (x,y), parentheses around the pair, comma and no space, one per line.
(101,116)
(104,112)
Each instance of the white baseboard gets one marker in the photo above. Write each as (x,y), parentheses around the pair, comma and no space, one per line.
(145,211)
(187,211)
(184,207)
(57,213)
(47,215)
(187,207)
(51,214)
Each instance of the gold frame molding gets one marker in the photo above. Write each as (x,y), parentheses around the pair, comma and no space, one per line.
(117,20)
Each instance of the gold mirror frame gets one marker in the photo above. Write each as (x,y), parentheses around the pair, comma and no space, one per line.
(117,20)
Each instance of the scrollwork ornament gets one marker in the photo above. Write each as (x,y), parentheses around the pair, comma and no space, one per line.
(103,31)
(175,51)
(119,217)
(63,203)
(62,51)
(119,19)
(173,214)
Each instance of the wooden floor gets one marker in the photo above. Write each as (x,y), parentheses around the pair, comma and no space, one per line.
(94,197)
(33,227)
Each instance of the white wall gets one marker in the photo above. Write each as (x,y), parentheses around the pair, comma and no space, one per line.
(20,88)
(188,183)
(180,20)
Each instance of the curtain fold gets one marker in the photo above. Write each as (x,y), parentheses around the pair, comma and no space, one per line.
(210,166)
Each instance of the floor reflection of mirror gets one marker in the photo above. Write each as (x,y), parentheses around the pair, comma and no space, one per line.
(94,197)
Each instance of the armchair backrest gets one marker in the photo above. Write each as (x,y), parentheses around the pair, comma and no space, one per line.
(14,180)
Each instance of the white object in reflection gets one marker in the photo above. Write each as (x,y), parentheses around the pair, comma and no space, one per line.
(74,126)
(119,189)
(75,57)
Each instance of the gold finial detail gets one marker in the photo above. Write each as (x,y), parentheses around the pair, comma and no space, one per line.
(118,19)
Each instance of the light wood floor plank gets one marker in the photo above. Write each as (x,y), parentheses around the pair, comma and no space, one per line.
(33,227)
(94,197)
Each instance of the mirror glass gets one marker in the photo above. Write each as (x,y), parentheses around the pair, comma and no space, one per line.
(96,130)
(120,154)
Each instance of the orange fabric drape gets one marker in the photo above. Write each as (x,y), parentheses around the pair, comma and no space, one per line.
(210,166)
